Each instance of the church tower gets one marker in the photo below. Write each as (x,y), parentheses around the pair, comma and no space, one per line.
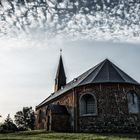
(60,79)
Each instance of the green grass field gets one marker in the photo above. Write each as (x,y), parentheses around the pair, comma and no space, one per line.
(42,135)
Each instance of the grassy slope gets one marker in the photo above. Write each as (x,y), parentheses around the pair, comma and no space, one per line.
(42,135)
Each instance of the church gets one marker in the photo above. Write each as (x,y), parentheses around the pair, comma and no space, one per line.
(102,99)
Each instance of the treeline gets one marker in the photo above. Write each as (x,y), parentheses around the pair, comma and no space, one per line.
(23,120)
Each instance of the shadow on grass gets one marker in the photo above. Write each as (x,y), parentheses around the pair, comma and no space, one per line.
(121,135)
(34,132)
(42,134)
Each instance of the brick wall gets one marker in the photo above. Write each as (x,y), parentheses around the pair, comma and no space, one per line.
(66,100)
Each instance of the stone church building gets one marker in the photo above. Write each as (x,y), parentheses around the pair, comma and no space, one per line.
(103,99)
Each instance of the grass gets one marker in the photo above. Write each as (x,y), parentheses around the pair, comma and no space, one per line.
(43,135)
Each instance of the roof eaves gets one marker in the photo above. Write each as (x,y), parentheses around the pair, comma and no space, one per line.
(54,95)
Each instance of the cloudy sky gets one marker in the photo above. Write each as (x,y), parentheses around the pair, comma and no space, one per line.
(28,66)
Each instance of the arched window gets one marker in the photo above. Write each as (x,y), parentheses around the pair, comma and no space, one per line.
(133,102)
(88,105)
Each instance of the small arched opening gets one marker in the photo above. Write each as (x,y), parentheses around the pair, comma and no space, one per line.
(133,102)
(88,105)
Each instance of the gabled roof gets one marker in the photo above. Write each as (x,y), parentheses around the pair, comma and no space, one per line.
(104,72)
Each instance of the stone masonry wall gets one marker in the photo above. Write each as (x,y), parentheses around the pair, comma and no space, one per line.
(112,110)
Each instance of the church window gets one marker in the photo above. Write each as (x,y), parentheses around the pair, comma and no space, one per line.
(133,102)
(88,105)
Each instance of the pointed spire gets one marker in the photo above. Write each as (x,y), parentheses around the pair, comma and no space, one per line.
(60,79)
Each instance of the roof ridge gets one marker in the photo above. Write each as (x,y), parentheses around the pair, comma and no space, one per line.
(103,62)
(92,69)
(108,78)
(118,70)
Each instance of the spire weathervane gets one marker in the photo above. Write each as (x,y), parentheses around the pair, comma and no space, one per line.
(60,51)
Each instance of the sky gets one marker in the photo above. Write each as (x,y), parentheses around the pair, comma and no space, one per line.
(28,66)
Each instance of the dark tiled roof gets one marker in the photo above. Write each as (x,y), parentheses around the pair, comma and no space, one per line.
(57,109)
(104,72)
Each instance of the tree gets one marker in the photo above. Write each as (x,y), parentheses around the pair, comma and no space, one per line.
(25,119)
(8,125)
